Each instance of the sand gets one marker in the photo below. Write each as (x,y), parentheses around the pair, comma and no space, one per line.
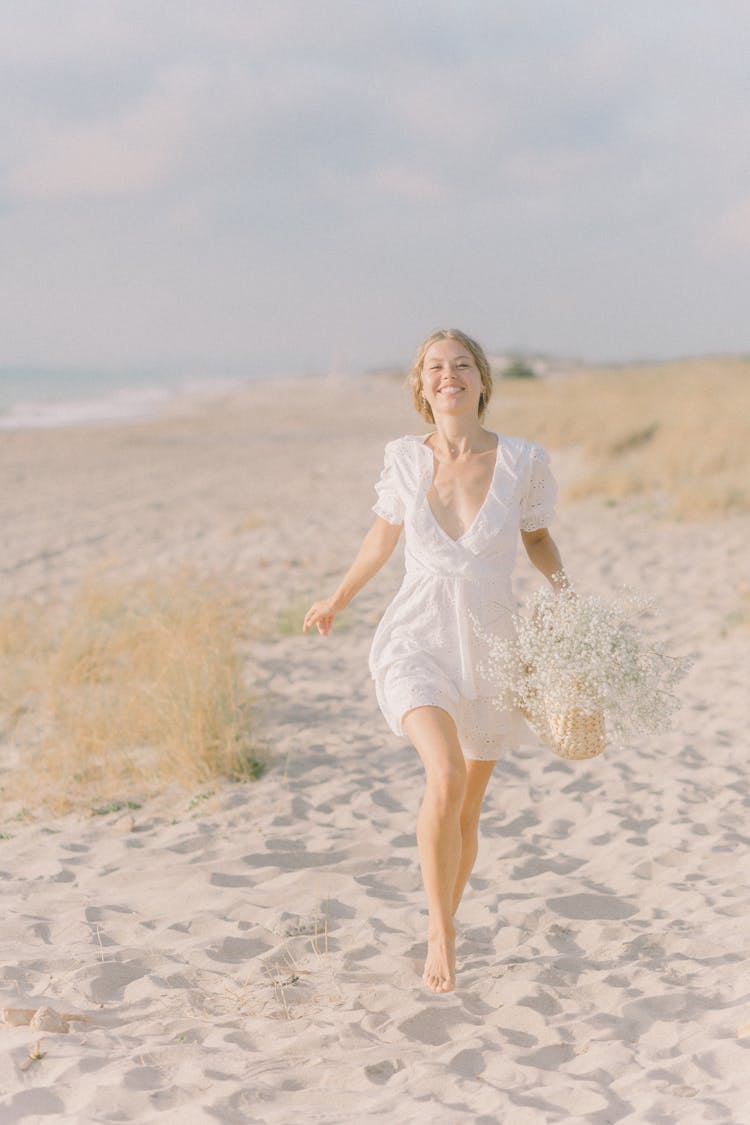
(250,952)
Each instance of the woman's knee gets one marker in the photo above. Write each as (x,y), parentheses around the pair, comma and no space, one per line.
(433,732)
(446,784)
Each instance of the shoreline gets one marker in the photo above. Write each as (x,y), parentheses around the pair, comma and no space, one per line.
(84,404)
(35,399)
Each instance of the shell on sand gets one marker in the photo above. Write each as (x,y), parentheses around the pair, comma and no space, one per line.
(47,1019)
(41,1019)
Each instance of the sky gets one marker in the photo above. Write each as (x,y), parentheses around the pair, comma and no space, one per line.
(277,186)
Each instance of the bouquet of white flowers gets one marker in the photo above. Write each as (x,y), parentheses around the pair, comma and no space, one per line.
(582,673)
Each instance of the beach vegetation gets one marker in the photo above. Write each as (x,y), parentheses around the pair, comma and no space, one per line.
(126,687)
(199,797)
(113,807)
(676,431)
(518,369)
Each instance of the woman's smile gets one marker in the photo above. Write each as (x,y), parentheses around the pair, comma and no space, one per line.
(450,375)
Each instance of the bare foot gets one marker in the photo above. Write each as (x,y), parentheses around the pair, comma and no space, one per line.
(440,965)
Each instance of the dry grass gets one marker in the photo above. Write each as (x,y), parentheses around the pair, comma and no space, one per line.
(130,686)
(679,428)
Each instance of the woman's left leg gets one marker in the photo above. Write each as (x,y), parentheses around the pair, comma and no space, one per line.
(477,776)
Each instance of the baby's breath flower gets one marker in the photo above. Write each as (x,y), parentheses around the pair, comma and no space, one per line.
(573,650)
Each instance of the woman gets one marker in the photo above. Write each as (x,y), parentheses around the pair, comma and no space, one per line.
(462,494)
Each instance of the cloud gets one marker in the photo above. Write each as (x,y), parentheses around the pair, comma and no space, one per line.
(129,149)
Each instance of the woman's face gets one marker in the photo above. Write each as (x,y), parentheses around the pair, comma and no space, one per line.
(451,382)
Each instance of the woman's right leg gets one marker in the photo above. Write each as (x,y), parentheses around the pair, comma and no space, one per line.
(433,733)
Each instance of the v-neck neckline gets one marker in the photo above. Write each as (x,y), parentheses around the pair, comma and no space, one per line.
(482,506)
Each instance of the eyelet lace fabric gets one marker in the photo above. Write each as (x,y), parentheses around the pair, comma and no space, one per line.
(425,651)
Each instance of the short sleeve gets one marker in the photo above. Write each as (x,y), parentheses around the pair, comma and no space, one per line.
(538,500)
(389,504)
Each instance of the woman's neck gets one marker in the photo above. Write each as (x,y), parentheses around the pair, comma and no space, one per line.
(459,436)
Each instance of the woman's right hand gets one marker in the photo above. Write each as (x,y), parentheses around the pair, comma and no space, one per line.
(321,614)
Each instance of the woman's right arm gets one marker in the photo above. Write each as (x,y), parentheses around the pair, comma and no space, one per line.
(376,548)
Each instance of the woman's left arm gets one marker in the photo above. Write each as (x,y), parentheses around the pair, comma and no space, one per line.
(543,553)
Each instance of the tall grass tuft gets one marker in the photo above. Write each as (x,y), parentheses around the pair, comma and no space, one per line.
(131,686)
(676,428)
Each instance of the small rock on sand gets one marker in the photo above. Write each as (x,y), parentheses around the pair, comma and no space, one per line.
(125,823)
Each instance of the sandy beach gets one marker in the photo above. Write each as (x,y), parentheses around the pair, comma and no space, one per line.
(248,952)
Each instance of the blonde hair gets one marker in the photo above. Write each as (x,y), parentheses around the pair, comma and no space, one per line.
(421,404)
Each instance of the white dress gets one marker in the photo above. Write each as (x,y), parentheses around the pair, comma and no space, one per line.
(425,650)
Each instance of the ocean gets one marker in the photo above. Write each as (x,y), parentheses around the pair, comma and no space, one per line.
(46,399)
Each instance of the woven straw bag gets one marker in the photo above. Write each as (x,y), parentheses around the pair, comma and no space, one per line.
(576,734)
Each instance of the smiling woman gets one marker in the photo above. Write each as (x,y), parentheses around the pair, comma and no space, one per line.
(449,349)
(462,495)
